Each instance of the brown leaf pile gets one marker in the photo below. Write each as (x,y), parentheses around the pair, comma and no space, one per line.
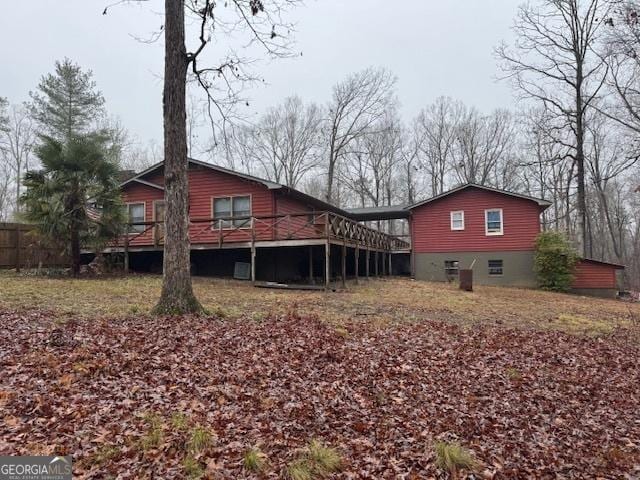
(527,404)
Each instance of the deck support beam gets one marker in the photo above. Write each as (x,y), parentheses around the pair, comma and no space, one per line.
(357,262)
(377,266)
(390,272)
(253,264)
(344,265)
(253,252)
(327,264)
(367,257)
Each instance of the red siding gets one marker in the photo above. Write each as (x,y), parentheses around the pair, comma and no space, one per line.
(594,275)
(137,192)
(296,226)
(431,223)
(204,185)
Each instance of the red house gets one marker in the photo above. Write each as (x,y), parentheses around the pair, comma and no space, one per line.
(491,231)
(246,226)
(238,221)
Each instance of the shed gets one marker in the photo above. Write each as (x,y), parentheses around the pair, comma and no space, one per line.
(596,278)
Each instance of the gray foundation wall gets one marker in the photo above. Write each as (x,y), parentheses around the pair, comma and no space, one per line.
(517,267)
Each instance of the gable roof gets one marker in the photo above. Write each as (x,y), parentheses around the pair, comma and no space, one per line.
(540,201)
(617,266)
(267,183)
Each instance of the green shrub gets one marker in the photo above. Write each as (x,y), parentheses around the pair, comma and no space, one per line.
(554,261)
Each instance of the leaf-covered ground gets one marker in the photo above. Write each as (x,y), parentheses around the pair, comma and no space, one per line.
(131,396)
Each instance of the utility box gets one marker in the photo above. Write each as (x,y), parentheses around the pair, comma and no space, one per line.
(466,280)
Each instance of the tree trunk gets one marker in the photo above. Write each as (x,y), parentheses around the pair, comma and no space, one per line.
(177,294)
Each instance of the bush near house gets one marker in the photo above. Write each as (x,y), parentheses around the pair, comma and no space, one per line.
(554,261)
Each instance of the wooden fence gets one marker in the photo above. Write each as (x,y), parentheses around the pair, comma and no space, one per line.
(20,248)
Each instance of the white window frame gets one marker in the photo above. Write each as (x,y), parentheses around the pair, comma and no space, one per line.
(144,218)
(486,222)
(214,225)
(451,216)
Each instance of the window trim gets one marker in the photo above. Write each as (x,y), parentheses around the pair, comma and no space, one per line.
(451,214)
(230,197)
(486,222)
(144,217)
(154,208)
(501,267)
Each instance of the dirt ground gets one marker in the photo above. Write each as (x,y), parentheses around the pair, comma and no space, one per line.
(531,384)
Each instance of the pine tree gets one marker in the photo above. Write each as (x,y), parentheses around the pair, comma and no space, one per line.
(66,103)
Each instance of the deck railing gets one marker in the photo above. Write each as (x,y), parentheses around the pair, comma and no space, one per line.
(289,226)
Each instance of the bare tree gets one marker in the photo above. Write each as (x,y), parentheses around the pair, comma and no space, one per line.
(553,61)
(286,141)
(357,104)
(17,140)
(607,160)
(621,51)
(372,160)
(216,23)
(544,167)
(436,128)
(482,145)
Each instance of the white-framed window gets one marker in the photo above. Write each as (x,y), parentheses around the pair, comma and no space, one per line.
(451,268)
(495,268)
(135,214)
(227,209)
(457,220)
(493,222)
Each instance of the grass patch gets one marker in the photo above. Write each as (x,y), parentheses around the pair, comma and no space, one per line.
(513,374)
(582,324)
(452,457)
(154,436)
(254,460)
(300,469)
(200,439)
(106,453)
(180,422)
(316,461)
(193,469)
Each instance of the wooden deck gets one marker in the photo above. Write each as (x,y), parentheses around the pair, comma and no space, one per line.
(284,230)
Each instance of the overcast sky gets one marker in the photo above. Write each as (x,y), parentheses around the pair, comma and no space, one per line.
(435,47)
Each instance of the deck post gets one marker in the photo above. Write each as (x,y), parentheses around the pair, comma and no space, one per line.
(357,255)
(376,264)
(327,264)
(253,254)
(311,279)
(367,258)
(390,265)
(126,253)
(344,265)
(253,263)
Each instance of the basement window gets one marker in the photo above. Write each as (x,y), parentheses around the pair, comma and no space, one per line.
(457,220)
(451,268)
(495,268)
(493,221)
(135,214)
(226,208)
